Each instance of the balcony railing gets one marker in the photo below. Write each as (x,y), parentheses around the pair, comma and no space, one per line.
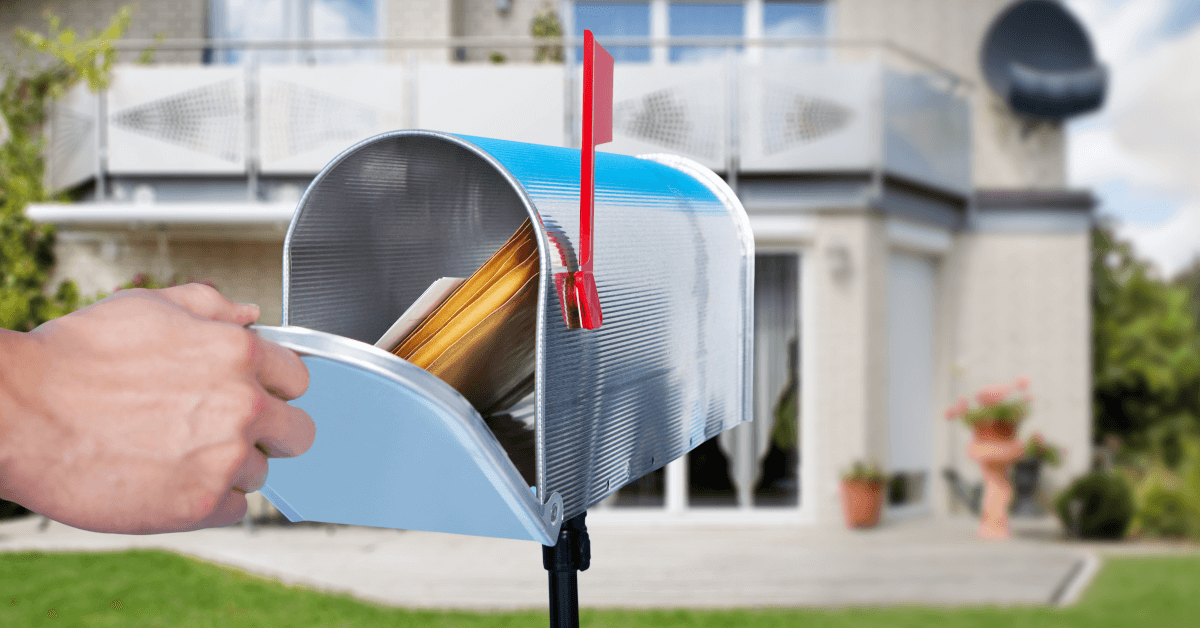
(759,107)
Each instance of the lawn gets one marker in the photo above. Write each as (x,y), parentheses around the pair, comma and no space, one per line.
(145,588)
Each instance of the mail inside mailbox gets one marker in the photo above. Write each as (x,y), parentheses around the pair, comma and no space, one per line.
(480,340)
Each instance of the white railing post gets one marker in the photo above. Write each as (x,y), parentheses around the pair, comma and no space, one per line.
(101,192)
(250,121)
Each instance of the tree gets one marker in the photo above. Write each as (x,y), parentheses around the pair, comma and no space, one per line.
(1146,350)
(1189,279)
(60,60)
(547,25)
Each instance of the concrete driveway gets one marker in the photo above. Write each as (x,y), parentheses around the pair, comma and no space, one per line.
(920,561)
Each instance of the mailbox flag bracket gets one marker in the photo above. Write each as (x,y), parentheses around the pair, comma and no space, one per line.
(597,129)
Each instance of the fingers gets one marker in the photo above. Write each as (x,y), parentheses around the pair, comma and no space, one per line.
(282,430)
(229,510)
(252,475)
(206,302)
(279,370)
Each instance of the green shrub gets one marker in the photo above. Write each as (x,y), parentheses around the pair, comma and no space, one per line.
(1166,512)
(1166,484)
(1107,504)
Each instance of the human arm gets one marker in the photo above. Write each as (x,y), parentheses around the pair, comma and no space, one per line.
(150,411)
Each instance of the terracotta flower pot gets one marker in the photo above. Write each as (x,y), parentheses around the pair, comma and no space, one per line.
(862,502)
(995,431)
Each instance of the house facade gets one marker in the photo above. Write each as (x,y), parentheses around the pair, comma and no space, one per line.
(914,234)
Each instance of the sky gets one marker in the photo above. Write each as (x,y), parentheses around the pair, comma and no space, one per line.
(1140,154)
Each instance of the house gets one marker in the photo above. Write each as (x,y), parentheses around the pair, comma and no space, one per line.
(914,233)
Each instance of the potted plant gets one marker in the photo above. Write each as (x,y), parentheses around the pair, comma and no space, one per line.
(999,411)
(862,495)
(1027,471)
(995,420)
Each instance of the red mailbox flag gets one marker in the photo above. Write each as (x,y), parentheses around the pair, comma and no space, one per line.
(597,129)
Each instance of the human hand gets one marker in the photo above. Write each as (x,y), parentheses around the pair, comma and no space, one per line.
(150,411)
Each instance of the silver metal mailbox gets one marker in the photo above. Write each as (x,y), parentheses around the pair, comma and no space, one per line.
(396,447)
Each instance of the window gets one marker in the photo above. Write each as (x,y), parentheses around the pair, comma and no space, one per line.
(791,19)
(794,19)
(777,379)
(727,471)
(615,19)
(294,20)
(802,20)
(704,19)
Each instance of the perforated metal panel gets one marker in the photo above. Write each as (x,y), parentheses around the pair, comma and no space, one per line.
(680,109)
(177,120)
(512,102)
(71,135)
(309,114)
(199,119)
(808,116)
(670,367)
(792,117)
(670,118)
(927,133)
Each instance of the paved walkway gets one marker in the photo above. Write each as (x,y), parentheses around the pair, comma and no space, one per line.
(922,561)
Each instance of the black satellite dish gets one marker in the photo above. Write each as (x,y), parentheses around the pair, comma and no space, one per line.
(1039,60)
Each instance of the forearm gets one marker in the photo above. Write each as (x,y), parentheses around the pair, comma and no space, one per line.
(17,361)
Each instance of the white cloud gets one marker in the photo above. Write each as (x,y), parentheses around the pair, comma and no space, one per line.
(1095,156)
(1146,140)
(1172,245)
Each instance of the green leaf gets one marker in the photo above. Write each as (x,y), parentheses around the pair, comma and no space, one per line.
(27,249)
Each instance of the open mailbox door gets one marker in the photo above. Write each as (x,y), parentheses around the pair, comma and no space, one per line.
(399,448)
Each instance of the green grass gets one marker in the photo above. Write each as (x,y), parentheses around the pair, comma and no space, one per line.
(145,588)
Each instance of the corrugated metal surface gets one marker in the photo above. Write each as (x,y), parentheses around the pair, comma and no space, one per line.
(674,269)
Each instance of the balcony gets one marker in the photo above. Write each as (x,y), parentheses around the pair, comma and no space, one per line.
(793,125)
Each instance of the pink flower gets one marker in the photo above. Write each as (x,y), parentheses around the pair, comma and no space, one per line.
(992,395)
(958,409)
(1023,383)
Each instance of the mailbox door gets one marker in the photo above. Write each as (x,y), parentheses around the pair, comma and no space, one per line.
(397,448)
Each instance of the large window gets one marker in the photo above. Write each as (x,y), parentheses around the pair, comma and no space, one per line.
(294,20)
(777,375)
(758,464)
(704,19)
(794,19)
(798,20)
(615,19)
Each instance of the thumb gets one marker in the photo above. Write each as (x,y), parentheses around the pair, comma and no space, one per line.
(204,301)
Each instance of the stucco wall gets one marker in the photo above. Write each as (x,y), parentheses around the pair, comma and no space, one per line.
(247,272)
(418,19)
(174,19)
(479,18)
(1008,151)
(1023,308)
(850,257)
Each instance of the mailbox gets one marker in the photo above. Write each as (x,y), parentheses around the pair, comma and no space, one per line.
(396,447)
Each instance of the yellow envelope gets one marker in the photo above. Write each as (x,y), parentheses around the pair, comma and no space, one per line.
(481,339)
